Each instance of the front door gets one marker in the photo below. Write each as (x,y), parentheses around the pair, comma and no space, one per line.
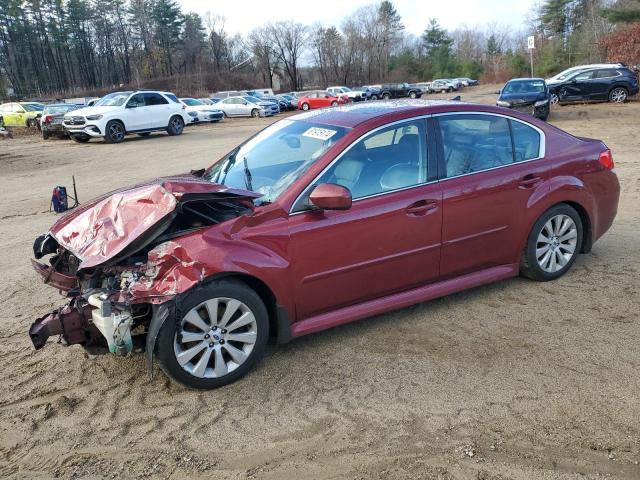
(387,242)
(136,114)
(486,184)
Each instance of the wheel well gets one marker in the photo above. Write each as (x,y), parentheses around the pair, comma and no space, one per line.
(265,294)
(116,120)
(587,232)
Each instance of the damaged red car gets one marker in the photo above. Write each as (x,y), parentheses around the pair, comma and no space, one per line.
(321,219)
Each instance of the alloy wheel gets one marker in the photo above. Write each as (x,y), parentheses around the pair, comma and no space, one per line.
(618,95)
(116,132)
(215,337)
(176,126)
(554,99)
(556,243)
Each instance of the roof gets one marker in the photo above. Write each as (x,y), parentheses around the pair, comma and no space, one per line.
(528,79)
(352,115)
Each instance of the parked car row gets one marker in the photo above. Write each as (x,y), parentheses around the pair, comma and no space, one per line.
(600,82)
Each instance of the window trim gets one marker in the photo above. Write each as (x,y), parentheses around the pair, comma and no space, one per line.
(542,149)
(429,159)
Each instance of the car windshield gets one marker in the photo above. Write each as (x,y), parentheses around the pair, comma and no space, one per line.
(524,86)
(55,109)
(192,102)
(276,157)
(32,107)
(113,100)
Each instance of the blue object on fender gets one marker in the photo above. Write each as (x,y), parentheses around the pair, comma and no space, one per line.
(59,199)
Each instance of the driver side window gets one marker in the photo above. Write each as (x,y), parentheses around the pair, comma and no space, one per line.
(389,159)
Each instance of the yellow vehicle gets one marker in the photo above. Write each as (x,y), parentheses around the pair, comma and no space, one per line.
(20,114)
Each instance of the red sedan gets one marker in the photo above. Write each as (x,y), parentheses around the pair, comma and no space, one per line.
(320,99)
(318,220)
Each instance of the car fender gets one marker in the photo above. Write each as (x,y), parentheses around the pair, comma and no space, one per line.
(560,189)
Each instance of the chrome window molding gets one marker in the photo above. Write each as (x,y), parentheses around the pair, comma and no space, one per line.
(541,155)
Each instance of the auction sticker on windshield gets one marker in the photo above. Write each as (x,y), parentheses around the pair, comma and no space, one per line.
(319,133)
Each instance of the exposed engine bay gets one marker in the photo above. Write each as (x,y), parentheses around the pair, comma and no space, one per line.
(116,259)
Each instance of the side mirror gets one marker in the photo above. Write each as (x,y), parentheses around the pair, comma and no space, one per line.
(330,196)
(498,92)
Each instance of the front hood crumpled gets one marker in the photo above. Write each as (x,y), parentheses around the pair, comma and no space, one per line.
(108,227)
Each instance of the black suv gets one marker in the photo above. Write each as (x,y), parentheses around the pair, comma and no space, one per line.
(399,90)
(529,95)
(605,84)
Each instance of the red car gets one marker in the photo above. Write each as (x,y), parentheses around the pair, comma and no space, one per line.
(320,99)
(318,220)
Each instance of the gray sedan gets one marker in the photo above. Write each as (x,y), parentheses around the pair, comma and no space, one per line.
(246,106)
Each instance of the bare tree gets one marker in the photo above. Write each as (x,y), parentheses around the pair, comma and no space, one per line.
(289,40)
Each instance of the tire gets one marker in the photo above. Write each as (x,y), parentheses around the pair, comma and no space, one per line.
(540,265)
(374,97)
(1,122)
(176,126)
(554,99)
(305,106)
(80,139)
(255,113)
(31,123)
(217,365)
(618,95)
(412,95)
(334,104)
(144,134)
(386,96)
(114,132)
(45,135)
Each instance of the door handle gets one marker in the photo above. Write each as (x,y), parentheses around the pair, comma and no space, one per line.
(421,207)
(529,181)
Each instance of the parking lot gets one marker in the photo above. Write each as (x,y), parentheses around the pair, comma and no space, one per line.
(515,380)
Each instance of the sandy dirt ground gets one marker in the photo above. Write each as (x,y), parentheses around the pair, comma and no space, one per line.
(516,380)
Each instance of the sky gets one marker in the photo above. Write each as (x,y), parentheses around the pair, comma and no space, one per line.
(242,15)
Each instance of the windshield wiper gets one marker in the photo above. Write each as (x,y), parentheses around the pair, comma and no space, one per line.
(247,175)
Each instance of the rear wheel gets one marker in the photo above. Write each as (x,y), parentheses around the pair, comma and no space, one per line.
(305,106)
(386,96)
(334,104)
(222,334)
(176,126)
(618,95)
(412,95)
(31,122)
(374,97)
(553,244)
(1,122)
(114,132)
(45,135)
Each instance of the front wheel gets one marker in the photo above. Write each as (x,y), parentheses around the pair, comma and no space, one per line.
(45,135)
(553,244)
(114,132)
(554,99)
(220,337)
(176,126)
(255,113)
(618,95)
(386,96)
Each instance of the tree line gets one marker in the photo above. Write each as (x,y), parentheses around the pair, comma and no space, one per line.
(64,47)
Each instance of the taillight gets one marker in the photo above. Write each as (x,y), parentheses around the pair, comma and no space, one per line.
(606,159)
(48,119)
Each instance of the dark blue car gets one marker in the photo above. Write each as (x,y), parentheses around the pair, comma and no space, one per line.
(613,84)
(529,95)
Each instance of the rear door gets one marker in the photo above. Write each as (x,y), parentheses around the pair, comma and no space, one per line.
(602,82)
(388,241)
(158,110)
(486,181)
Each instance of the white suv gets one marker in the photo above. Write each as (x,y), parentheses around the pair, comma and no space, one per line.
(346,92)
(118,114)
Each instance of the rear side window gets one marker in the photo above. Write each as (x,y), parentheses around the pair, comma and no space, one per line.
(607,73)
(526,141)
(152,99)
(472,143)
(172,97)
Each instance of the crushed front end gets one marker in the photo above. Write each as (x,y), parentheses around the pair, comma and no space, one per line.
(120,257)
